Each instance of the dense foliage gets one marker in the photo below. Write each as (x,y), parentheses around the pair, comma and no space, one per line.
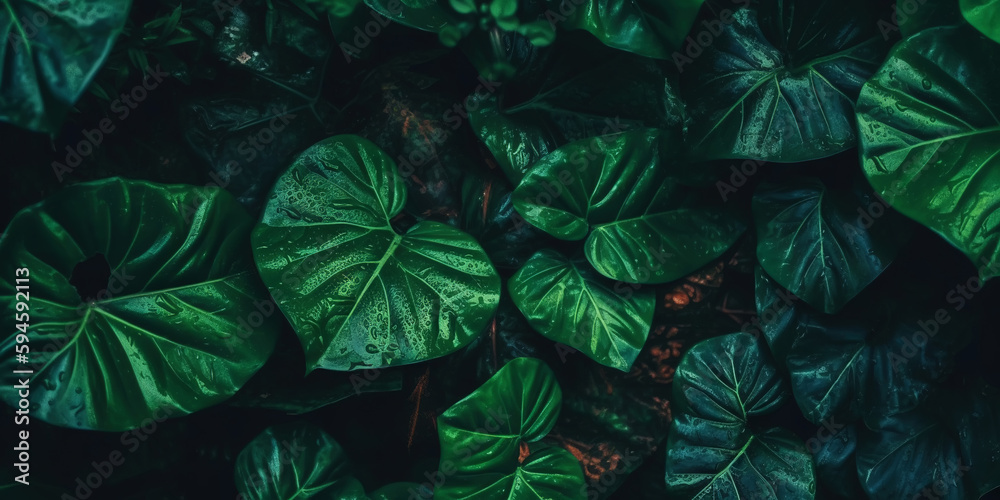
(507,249)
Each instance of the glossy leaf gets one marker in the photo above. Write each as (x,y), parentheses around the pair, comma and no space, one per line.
(948,449)
(176,328)
(618,192)
(51,55)
(779,82)
(646,27)
(873,363)
(359,294)
(825,246)
(566,301)
(712,452)
(482,436)
(929,135)
(984,15)
(301,461)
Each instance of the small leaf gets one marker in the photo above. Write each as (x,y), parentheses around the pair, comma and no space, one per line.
(568,302)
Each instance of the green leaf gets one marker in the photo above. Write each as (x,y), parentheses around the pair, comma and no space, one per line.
(52,54)
(426,15)
(359,294)
(640,223)
(649,28)
(780,84)
(880,360)
(712,452)
(947,449)
(984,15)
(571,91)
(929,135)
(482,435)
(301,461)
(566,301)
(178,326)
(823,245)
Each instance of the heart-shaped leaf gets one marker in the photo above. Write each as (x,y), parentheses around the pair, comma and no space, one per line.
(640,221)
(53,51)
(929,135)
(180,324)
(778,83)
(825,246)
(566,301)
(712,452)
(482,438)
(301,461)
(359,294)
(984,15)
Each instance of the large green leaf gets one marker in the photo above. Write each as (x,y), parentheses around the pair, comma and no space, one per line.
(779,82)
(179,326)
(641,223)
(566,301)
(879,359)
(299,461)
(712,452)
(950,449)
(359,294)
(52,50)
(649,28)
(825,246)
(483,434)
(930,135)
(984,15)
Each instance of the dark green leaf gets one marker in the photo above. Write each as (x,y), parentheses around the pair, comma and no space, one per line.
(646,27)
(780,84)
(876,362)
(712,452)
(359,294)
(948,450)
(52,51)
(566,301)
(620,193)
(929,135)
(176,328)
(824,245)
(300,461)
